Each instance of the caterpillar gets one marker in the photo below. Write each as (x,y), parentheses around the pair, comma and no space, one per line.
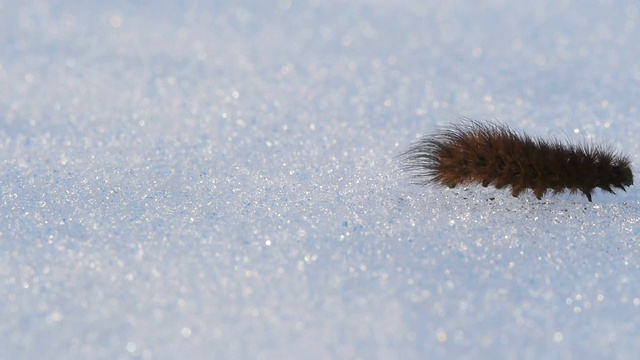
(493,154)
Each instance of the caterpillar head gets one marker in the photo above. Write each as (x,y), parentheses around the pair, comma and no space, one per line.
(622,175)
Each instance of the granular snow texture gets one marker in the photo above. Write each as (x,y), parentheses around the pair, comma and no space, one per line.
(216,179)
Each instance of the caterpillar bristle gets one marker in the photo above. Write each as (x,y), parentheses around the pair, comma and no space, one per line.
(492,154)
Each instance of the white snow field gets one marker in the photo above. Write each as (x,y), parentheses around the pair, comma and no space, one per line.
(217,180)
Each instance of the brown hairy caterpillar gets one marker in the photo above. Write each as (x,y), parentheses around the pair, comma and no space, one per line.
(493,154)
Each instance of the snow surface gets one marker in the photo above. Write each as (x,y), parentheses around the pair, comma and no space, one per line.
(194,179)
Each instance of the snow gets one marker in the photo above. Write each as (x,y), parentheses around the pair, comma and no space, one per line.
(195,179)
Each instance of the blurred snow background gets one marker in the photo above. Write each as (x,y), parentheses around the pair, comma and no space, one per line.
(194,179)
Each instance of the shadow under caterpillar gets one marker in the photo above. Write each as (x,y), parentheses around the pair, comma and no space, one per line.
(493,154)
